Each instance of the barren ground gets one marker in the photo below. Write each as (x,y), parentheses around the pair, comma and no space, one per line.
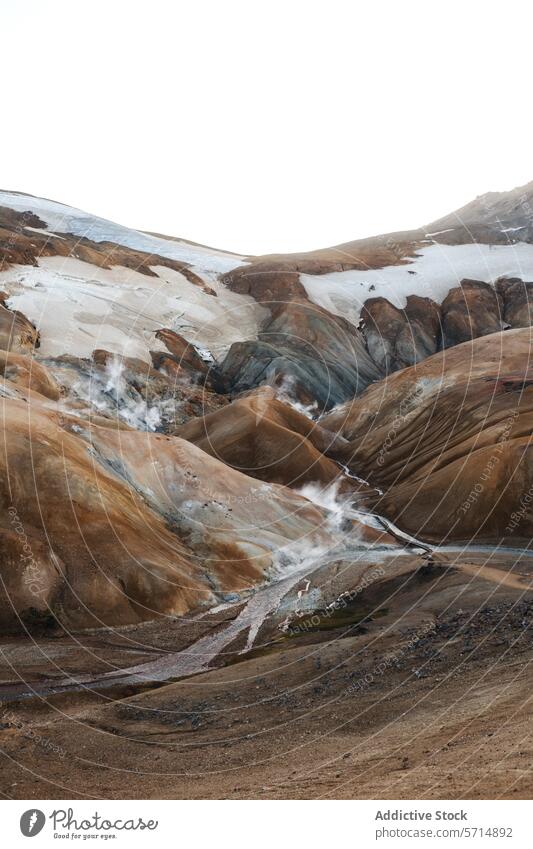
(428,699)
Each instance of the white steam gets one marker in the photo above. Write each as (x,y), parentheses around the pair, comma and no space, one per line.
(109,393)
(285,391)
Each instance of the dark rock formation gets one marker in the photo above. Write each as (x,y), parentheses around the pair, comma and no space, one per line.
(314,355)
(397,338)
(517,297)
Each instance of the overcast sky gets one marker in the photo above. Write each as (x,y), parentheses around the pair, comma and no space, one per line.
(264,126)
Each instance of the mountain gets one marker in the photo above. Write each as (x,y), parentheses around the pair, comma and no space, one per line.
(280,461)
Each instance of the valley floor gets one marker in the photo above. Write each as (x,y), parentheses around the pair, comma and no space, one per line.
(430,699)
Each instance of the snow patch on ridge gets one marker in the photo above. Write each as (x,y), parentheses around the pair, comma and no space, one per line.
(435,270)
(66,219)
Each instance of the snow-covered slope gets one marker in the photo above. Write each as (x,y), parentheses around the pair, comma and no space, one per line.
(66,219)
(78,306)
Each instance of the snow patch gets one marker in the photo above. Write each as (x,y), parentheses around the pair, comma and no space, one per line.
(45,232)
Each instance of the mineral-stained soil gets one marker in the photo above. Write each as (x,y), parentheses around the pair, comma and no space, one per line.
(425,699)
(137,523)
(258,541)
(270,440)
(449,441)
(318,357)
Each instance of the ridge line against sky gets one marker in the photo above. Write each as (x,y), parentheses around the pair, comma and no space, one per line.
(300,139)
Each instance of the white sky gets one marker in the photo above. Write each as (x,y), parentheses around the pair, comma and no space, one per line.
(264,126)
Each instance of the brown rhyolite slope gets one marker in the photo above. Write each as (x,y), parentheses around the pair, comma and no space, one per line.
(120,562)
(17,333)
(104,524)
(304,351)
(275,277)
(449,441)
(117,525)
(501,215)
(494,218)
(265,438)
(28,372)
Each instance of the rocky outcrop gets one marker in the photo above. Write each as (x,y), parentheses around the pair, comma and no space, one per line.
(185,354)
(517,297)
(397,338)
(470,310)
(319,358)
(183,363)
(17,333)
(265,282)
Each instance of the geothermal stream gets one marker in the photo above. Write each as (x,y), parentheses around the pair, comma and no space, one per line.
(266,599)
(197,657)
(264,602)
(294,563)
(261,604)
